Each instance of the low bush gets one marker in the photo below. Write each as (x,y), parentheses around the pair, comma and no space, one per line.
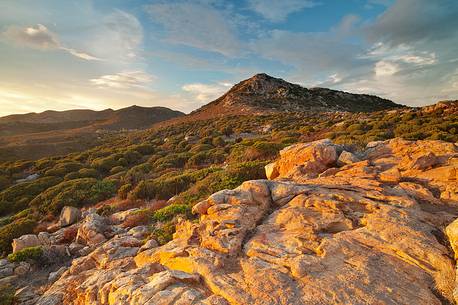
(138,218)
(88,173)
(14,230)
(7,294)
(18,197)
(31,253)
(76,193)
(169,212)
(164,234)
(61,169)
(124,190)
(167,187)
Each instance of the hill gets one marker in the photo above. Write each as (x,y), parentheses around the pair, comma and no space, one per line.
(35,135)
(264,94)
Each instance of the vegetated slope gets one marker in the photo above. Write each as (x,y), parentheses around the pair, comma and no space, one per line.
(178,166)
(189,161)
(264,94)
(36,135)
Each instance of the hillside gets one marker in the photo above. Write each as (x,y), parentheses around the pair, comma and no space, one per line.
(36,135)
(130,194)
(264,94)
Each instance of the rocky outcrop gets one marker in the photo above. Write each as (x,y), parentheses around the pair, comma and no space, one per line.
(25,241)
(69,215)
(368,232)
(93,230)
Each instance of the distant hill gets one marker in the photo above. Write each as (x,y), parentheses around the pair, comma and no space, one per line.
(264,94)
(134,117)
(36,135)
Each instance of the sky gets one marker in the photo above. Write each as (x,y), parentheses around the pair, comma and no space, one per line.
(99,54)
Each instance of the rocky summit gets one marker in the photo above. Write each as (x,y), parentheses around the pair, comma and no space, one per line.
(332,225)
(263,94)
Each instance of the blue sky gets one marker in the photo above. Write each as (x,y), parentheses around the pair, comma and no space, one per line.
(183,54)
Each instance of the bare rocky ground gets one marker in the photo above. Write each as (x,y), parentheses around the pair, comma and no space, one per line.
(328,227)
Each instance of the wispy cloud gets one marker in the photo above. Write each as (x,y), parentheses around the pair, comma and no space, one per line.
(196,25)
(123,80)
(205,93)
(41,38)
(277,11)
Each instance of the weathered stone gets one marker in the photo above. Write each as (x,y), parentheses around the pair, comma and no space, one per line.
(53,276)
(346,158)
(69,215)
(25,241)
(323,153)
(391,175)
(271,171)
(22,269)
(92,230)
(424,162)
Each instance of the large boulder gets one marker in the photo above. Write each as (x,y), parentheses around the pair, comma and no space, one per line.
(25,241)
(346,158)
(92,230)
(69,215)
(315,157)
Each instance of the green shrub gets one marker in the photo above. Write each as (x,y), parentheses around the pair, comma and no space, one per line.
(116,169)
(31,253)
(169,212)
(76,192)
(138,173)
(167,187)
(124,190)
(71,176)
(7,295)
(5,181)
(105,164)
(61,169)
(88,173)
(164,234)
(14,230)
(106,210)
(230,178)
(18,197)
(172,161)
(144,149)
(214,156)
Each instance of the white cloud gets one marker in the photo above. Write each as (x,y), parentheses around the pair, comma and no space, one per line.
(41,38)
(196,25)
(277,11)
(205,93)
(385,68)
(117,37)
(401,54)
(123,80)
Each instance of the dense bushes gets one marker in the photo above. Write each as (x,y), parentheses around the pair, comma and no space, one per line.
(7,294)
(18,197)
(167,187)
(230,178)
(61,169)
(14,230)
(31,253)
(171,211)
(76,192)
